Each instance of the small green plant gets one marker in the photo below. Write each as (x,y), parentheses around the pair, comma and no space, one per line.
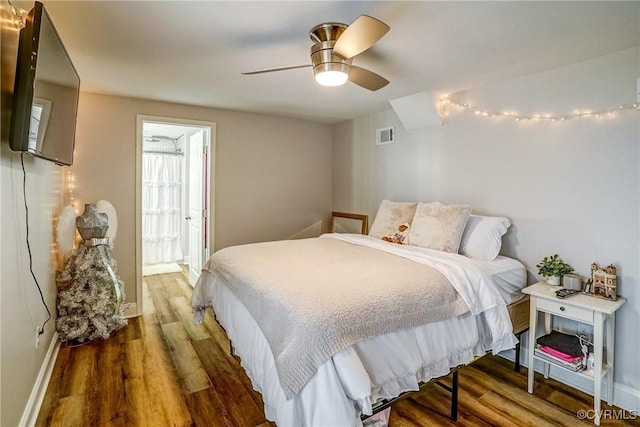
(553,266)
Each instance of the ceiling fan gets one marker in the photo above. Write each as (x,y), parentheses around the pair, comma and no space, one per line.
(335,46)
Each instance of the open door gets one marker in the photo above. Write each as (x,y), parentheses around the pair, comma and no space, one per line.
(198,202)
(197,231)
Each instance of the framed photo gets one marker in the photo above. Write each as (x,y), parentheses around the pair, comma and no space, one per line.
(344,222)
(603,282)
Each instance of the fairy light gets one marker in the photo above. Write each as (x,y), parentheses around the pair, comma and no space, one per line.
(70,186)
(19,17)
(446,102)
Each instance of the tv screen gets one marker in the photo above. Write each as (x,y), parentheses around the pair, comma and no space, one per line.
(45,97)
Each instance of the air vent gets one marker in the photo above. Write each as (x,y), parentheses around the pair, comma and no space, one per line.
(384,135)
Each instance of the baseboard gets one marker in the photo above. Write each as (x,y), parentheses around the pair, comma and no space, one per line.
(131,310)
(625,397)
(31,411)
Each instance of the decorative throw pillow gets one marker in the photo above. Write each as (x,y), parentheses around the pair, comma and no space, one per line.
(438,226)
(400,237)
(390,216)
(482,237)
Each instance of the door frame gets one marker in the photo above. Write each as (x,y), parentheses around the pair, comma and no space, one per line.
(211,128)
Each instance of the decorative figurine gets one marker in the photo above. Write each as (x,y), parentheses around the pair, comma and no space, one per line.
(604,282)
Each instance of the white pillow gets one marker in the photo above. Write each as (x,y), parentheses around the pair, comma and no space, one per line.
(482,237)
(438,226)
(390,216)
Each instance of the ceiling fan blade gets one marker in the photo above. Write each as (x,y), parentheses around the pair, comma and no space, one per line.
(271,70)
(363,33)
(367,79)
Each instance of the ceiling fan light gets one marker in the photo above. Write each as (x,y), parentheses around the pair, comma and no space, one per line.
(332,78)
(332,73)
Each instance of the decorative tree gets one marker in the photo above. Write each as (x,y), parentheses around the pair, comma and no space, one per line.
(90,293)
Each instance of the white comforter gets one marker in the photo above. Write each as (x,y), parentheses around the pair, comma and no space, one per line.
(314,298)
(380,367)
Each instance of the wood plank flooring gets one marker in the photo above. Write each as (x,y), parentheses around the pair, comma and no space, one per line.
(162,370)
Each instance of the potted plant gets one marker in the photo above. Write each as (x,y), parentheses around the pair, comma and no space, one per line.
(552,268)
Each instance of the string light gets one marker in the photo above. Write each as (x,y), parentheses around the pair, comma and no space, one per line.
(607,113)
(70,184)
(19,16)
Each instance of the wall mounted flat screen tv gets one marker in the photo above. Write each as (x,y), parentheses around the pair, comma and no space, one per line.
(45,96)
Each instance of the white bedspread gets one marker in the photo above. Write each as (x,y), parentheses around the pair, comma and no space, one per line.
(380,367)
(315,297)
(471,282)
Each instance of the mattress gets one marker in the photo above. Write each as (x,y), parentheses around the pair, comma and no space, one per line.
(381,367)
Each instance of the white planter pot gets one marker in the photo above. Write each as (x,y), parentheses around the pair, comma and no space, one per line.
(553,280)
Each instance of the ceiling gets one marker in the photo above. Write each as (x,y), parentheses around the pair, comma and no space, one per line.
(193,52)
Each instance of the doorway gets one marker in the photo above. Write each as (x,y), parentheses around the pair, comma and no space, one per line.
(175,159)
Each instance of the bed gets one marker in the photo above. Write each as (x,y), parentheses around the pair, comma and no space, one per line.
(326,327)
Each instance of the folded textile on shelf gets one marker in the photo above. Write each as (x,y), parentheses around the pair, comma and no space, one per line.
(573,366)
(564,343)
(560,355)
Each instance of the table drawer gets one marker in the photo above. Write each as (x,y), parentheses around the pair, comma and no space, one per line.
(565,310)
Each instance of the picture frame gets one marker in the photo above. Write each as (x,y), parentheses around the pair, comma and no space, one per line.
(346,222)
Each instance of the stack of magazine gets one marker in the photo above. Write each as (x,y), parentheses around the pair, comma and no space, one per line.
(561,349)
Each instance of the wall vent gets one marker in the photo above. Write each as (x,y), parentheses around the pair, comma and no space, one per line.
(385,135)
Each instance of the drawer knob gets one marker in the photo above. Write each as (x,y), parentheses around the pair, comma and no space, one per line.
(562,308)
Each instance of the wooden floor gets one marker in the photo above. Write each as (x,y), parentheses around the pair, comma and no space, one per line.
(162,370)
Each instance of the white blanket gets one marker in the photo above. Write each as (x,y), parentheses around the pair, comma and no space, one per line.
(472,285)
(315,297)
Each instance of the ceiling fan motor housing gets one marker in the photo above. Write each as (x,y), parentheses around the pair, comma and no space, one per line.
(323,58)
(327,31)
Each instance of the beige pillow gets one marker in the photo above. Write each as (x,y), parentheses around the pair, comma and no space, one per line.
(437,226)
(390,216)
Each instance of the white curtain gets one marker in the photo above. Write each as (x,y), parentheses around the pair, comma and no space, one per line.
(161,208)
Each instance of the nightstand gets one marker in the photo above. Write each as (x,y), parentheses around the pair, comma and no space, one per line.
(600,313)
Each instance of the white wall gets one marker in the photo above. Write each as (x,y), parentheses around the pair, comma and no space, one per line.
(21,309)
(571,188)
(272,175)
